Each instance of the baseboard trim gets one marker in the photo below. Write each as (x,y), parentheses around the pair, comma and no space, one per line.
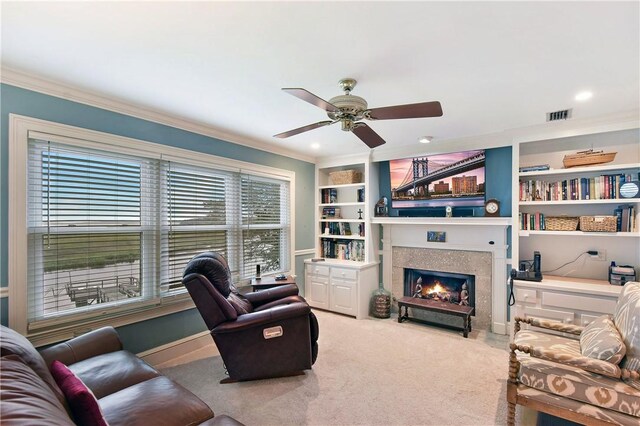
(167,352)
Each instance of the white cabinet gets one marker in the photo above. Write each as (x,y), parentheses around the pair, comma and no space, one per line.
(343,287)
(565,300)
(316,284)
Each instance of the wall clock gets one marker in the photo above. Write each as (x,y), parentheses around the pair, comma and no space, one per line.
(492,208)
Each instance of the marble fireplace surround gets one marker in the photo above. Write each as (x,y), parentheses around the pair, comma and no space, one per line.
(475,263)
(475,246)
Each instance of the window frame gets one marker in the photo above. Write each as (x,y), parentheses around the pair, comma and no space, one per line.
(21,129)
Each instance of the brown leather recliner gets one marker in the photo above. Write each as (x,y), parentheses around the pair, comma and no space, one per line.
(268,333)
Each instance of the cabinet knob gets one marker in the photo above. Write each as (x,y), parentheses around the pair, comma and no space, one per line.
(526,296)
(568,319)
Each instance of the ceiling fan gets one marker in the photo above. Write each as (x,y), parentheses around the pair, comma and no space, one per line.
(349,110)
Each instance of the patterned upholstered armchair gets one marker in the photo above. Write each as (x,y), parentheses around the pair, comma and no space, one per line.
(589,375)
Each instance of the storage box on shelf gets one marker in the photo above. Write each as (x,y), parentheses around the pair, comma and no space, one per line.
(561,209)
(344,237)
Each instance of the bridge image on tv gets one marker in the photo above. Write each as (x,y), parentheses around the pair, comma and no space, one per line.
(454,179)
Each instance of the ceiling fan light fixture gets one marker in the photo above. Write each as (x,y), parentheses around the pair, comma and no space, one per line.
(425,139)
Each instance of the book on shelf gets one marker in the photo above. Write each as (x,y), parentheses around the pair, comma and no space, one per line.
(603,187)
(329,195)
(536,168)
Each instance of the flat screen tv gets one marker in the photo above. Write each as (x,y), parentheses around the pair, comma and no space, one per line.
(455,179)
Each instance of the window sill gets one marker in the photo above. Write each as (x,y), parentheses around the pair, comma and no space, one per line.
(48,337)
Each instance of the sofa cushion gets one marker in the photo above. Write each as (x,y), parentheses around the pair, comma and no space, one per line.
(240,303)
(108,373)
(13,343)
(26,398)
(83,403)
(627,321)
(578,384)
(563,350)
(160,399)
(601,340)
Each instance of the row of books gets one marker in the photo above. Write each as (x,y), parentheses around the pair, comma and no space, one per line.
(625,220)
(343,250)
(329,195)
(604,187)
(336,228)
(331,212)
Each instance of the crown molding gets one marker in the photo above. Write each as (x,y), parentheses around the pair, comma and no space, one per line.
(49,87)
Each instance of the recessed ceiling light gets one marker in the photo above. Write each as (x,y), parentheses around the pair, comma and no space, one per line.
(583,96)
(425,139)
(315,145)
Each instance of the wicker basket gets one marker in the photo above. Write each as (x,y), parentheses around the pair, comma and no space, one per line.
(598,223)
(560,223)
(345,176)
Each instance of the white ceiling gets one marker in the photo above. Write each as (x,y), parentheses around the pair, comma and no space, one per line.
(493,66)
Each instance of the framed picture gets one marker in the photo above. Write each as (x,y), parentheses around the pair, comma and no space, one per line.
(436,236)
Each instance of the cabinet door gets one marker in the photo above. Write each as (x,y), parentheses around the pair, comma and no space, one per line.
(316,291)
(343,296)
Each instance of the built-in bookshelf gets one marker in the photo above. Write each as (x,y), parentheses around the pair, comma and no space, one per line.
(344,272)
(553,191)
(342,223)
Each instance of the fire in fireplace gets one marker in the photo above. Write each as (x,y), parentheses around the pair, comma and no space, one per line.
(447,287)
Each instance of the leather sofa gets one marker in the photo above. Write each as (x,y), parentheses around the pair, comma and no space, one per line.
(128,390)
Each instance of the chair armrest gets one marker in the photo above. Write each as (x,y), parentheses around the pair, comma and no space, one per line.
(549,325)
(593,365)
(93,343)
(261,297)
(258,319)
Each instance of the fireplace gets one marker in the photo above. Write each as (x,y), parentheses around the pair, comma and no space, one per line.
(454,288)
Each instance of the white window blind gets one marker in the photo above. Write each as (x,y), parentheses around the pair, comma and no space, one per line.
(86,230)
(110,233)
(265,225)
(200,214)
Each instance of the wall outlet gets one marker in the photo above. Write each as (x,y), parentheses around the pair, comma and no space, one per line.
(602,255)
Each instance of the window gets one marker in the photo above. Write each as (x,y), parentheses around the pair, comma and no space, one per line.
(109,229)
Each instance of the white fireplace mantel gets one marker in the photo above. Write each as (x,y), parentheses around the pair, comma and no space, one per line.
(481,234)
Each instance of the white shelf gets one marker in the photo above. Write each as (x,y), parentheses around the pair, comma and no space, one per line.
(574,285)
(527,233)
(342,220)
(341,237)
(569,202)
(465,221)
(340,204)
(345,185)
(583,170)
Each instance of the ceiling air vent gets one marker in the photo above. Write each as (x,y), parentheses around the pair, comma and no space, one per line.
(559,115)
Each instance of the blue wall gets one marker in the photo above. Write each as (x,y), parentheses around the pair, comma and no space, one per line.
(144,335)
(497,181)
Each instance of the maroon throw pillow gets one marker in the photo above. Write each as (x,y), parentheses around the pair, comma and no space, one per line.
(82,401)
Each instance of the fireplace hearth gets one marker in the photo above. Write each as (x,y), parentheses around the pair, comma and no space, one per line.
(454,288)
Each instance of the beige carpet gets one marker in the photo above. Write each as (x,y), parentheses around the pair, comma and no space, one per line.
(368,372)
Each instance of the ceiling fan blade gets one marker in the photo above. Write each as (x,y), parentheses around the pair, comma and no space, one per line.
(424,109)
(303,129)
(367,135)
(307,96)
